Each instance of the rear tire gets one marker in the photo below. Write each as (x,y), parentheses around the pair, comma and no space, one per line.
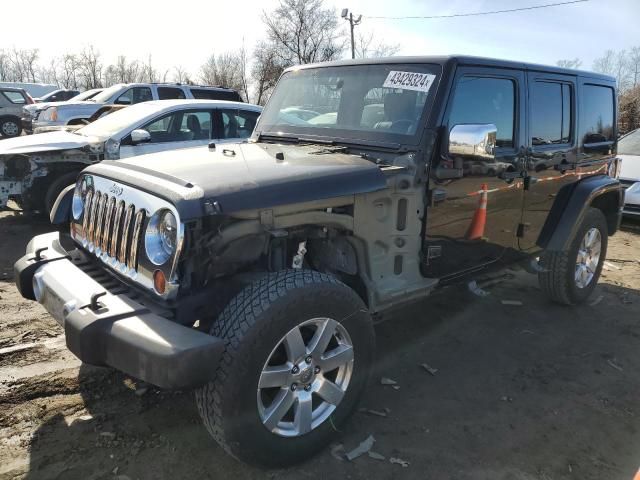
(570,277)
(10,127)
(255,325)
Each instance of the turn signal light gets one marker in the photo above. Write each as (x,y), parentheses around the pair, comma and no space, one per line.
(159,282)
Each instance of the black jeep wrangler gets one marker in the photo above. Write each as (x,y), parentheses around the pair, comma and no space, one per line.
(251,271)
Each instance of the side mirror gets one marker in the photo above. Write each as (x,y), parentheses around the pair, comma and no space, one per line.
(140,136)
(473,141)
(123,101)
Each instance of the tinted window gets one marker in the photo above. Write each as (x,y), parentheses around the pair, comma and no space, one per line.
(550,113)
(15,97)
(596,117)
(484,100)
(210,94)
(180,127)
(135,95)
(170,93)
(198,123)
(238,123)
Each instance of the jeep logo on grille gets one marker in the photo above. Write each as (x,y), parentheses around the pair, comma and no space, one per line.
(115,189)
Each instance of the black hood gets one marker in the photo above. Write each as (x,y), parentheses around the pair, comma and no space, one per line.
(245,176)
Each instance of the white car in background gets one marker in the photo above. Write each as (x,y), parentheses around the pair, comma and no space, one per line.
(629,152)
(34,169)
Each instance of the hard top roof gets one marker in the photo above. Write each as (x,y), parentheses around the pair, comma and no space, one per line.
(460,60)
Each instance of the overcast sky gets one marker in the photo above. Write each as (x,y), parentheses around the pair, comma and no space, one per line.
(185,32)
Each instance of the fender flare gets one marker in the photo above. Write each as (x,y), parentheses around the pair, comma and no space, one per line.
(572,204)
(61,211)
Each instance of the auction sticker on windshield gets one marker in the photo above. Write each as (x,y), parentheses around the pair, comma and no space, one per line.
(420,82)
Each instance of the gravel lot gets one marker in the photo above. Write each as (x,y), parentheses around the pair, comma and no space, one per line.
(536,391)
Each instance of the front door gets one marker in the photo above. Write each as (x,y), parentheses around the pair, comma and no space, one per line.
(181,129)
(475,208)
(552,150)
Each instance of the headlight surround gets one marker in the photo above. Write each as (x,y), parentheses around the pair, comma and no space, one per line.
(112,149)
(161,237)
(79,194)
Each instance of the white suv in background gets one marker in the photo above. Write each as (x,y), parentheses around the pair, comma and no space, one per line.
(74,113)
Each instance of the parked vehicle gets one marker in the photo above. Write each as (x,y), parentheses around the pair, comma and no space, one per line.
(252,271)
(33,89)
(59,95)
(31,112)
(73,113)
(629,152)
(34,169)
(11,103)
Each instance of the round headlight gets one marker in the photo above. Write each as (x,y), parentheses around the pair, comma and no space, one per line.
(77,204)
(161,237)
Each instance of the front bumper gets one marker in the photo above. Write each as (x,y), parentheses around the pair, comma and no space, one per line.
(632,200)
(115,331)
(27,124)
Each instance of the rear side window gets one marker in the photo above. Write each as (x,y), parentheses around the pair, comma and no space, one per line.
(15,97)
(482,100)
(170,93)
(238,123)
(135,95)
(207,94)
(550,113)
(596,116)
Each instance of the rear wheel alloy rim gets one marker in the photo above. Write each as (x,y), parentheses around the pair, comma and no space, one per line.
(588,257)
(305,377)
(10,128)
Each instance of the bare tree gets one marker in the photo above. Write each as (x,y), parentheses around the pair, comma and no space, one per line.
(90,67)
(366,47)
(569,63)
(634,66)
(244,77)
(267,68)
(5,67)
(606,63)
(180,75)
(304,31)
(224,70)
(68,76)
(149,72)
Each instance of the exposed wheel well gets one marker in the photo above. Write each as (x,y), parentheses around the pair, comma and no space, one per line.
(608,204)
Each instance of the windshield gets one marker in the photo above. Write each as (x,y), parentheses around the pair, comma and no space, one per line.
(86,95)
(630,144)
(106,94)
(118,121)
(382,103)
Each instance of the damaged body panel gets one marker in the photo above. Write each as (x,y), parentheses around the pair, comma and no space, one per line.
(29,166)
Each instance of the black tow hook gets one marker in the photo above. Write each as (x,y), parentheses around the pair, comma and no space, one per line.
(38,252)
(95,305)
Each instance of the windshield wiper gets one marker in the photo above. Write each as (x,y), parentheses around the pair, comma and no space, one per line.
(286,138)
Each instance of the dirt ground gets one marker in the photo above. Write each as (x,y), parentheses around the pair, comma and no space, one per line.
(531,391)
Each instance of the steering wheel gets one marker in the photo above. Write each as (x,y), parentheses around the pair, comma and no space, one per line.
(397,125)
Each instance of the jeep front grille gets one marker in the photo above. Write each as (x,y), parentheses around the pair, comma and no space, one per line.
(112,228)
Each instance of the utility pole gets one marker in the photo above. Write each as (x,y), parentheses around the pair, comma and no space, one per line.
(352,23)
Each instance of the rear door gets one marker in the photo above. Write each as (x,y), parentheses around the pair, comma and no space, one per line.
(235,125)
(551,149)
(460,236)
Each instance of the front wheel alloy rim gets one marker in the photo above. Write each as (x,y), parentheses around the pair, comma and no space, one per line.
(588,257)
(305,377)
(10,128)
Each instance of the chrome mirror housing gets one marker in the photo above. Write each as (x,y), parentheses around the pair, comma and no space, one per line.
(476,141)
(140,136)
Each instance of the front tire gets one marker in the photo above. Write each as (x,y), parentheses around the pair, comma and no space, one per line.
(570,277)
(299,350)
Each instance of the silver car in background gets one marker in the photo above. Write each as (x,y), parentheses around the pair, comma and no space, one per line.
(629,152)
(34,169)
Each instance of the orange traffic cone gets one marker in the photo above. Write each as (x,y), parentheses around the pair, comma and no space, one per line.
(476,229)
